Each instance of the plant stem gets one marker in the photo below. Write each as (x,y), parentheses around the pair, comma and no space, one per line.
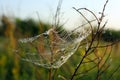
(50,74)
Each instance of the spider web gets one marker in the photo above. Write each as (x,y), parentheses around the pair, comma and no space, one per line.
(52,48)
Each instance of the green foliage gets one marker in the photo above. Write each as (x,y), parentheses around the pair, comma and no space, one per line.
(23,28)
(27,26)
(111,35)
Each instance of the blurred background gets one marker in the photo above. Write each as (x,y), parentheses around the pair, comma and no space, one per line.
(28,18)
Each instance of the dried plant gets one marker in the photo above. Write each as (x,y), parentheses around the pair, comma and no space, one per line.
(54,47)
(100,59)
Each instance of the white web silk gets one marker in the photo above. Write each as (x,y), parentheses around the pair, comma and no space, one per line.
(51,49)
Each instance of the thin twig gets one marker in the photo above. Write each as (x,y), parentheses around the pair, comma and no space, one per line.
(98,33)
(90,12)
(84,18)
(110,77)
(113,43)
(86,70)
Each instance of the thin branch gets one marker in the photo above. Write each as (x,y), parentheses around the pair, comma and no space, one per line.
(110,77)
(81,60)
(85,19)
(106,59)
(104,70)
(98,33)
(107,45)
(86,70)
(90,12)
(102,14)
(83,25)
(90,61)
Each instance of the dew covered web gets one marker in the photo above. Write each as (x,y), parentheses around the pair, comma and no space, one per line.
(52,48)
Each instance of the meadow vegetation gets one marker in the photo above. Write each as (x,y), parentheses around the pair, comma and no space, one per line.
(97,57)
